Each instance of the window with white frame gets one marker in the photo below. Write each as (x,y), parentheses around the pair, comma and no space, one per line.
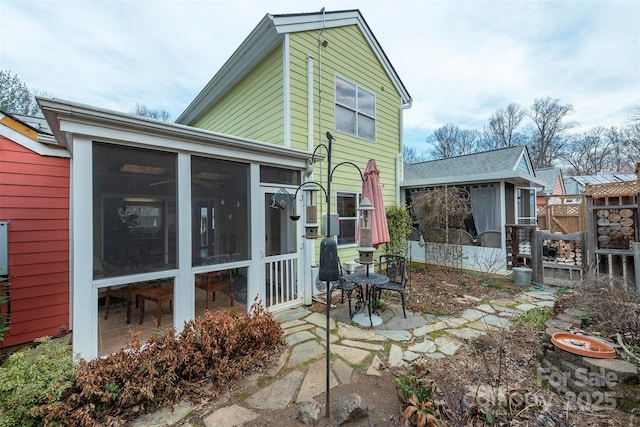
(355,110)
(347,205)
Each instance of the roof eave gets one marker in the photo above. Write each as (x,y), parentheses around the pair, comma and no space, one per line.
(268,34)
(56,111)
(473,179)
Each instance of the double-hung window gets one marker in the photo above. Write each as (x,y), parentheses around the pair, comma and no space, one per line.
(355,111)
(347,204)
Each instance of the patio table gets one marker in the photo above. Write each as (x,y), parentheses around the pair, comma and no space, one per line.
(367,281)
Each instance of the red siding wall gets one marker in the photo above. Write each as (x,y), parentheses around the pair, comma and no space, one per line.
(34,198)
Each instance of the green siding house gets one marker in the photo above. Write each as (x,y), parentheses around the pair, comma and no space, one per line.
(297,77)
(195,215)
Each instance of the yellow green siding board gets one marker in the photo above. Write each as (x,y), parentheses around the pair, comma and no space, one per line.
(254,107)
(349,56)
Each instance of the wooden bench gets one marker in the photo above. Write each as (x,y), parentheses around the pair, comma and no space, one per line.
(216,281)
(159,295)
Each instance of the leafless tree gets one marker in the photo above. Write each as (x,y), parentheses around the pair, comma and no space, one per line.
(411,155)
(631,138)
(144,111)
(550,120)
(501,131)
(449,141)
(588,153)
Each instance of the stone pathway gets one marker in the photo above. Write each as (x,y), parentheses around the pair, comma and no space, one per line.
(301,372)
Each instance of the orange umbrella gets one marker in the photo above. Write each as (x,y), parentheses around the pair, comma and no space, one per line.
(378,218)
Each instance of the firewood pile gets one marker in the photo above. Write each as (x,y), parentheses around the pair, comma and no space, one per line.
(615,228)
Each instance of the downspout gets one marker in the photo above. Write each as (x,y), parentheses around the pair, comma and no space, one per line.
(287,92)
(309,103)
(309,245)
(400,155)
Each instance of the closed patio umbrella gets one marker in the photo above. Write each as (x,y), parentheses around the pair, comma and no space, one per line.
(378,219)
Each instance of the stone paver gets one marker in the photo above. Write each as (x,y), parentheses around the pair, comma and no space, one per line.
(355,333)
(303,327)
(299,337)
(447,346)
(352,355)
(465,333)
(288,315)
(395,357)
(427,329)
(411,339)
(342,371)
(499,322)
(304,352)
(319,319)
(486,308)
(277,395)
(231,416)
(394,335)
(315,381)
(472,314)
(455,322)
(525,307)
(426,346)
(363,345)
(164,416)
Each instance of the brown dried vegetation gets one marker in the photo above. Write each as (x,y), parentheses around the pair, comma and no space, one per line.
(210,353)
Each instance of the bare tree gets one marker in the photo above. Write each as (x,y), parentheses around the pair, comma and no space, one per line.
(449,141)
(410,155)
(631,139)
(501,131)
(144,111)
(588,153)
(549,117)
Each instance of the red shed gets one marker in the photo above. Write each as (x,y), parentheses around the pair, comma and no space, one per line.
(34,212)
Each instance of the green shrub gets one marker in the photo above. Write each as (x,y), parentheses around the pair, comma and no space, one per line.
(399,225)
(32,377)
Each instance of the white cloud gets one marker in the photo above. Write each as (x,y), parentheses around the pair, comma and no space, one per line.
(460,60)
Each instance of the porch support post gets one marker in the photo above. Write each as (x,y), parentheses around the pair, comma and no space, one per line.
(536,255)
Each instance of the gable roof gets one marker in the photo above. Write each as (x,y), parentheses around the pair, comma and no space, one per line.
(550,176)
(511,163)
(267,35)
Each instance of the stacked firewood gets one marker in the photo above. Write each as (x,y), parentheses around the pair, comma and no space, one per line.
(615,228)
(569,252)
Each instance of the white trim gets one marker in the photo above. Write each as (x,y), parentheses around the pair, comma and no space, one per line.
(85,294)
(183,284)
(30,144)
(65,117)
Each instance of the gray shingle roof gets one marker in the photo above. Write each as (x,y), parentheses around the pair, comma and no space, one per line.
(549,177)
(484,163)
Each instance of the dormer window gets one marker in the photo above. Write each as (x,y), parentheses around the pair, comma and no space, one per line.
(355,112)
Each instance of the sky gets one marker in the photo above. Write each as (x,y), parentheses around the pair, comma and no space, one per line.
(461,61)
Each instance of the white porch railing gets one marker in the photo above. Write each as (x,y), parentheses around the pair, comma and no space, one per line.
(281,273)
